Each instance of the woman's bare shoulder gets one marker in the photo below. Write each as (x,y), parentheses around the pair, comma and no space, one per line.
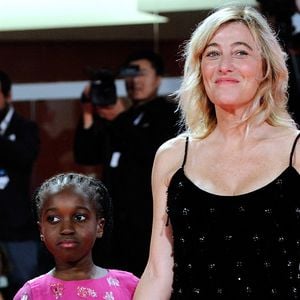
(297,153)
(289,140)
(172,146)
(169,156)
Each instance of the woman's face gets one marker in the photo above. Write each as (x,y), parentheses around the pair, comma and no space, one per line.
(69,227)
(232,67)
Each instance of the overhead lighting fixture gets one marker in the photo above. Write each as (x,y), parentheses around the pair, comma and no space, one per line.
(51,14)
(186,5)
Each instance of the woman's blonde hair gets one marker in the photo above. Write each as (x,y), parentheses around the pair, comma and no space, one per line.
(270,104)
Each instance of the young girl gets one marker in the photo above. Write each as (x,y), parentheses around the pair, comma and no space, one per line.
(72,210)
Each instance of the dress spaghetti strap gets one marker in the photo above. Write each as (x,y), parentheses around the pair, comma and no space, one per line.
(293,149)
(183,163)
(185,151)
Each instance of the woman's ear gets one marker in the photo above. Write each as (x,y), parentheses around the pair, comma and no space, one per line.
(100,227)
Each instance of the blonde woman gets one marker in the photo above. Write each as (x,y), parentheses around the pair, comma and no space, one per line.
(226,205)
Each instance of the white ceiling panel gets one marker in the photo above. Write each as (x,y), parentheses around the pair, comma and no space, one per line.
(186,5)
(51,14)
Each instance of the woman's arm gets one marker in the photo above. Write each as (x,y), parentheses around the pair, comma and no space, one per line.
(156,281)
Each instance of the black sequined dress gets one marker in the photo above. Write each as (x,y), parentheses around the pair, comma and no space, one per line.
(236,247)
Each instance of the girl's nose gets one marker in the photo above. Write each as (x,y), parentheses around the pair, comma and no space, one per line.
(67,227)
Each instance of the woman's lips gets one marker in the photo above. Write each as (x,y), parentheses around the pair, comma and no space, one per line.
(226,80)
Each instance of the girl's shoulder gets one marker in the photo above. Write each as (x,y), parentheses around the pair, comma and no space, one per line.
(122,275)
(124,282)
(39,280)
(26,291)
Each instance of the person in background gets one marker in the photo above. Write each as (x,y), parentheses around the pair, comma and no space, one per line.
(125,140)
(73,211)
(19,148)
(4,268)
(226,206)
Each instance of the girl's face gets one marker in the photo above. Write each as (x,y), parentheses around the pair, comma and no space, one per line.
(232,67)
(69,227)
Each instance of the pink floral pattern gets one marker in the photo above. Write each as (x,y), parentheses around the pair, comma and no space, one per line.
(84,292)
(116,285)
(57,290)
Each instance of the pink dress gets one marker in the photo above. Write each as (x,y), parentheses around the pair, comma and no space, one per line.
(115,285)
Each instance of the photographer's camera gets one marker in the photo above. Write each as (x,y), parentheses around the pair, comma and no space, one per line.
(102,89)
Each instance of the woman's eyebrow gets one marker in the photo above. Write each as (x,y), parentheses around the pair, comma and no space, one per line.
(233,44)
(243,44)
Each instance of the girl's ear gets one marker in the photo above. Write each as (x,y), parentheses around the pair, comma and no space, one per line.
(41,234)
(39,225)
(100,227)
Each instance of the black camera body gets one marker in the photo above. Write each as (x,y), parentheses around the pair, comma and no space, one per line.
(103,90)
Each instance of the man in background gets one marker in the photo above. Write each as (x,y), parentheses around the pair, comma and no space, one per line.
(19,147)
(124,140)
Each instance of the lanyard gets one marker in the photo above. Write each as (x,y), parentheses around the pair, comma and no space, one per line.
(5,122)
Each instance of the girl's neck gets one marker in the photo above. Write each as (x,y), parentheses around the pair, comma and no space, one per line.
(75,273)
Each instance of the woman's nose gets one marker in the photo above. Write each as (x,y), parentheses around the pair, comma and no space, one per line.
(225,64)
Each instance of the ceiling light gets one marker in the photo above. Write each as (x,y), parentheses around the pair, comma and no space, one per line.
(48,14)
(186,5)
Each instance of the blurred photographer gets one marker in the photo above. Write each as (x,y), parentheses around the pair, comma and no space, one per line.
(100,97)
(124,140)
(19,148)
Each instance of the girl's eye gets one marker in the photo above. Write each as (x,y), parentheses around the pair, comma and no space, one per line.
(53,219)
(80,218)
